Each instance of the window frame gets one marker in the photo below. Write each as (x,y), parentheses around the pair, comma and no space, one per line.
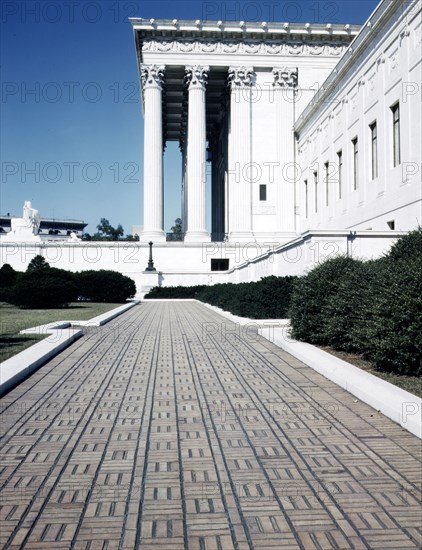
(355,143)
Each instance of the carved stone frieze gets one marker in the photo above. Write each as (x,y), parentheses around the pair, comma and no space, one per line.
(251,47)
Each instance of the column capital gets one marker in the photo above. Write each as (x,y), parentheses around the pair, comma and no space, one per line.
(241,77)
(285,77)
(196,76)
(152,76)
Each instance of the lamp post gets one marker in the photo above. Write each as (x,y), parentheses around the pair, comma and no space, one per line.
(150,266)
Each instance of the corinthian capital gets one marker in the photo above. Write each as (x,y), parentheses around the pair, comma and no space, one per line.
(196,76)
(240,76)
(284,77)
(152,76)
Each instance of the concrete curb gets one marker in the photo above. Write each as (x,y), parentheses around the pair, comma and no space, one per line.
(402,407)
(60,335)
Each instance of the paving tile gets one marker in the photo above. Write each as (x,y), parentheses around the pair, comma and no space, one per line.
(153,433)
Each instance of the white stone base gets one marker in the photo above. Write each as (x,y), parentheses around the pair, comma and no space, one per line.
(21,237)
(150,279)
(154,236)
(241,237)
(197,237)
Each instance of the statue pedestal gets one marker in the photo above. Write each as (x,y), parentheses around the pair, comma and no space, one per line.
(150,279)
(21,232)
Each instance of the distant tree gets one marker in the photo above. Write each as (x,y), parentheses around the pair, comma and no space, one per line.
(106,232)
(131,238)
(38,263)
(177,227)
(176,231)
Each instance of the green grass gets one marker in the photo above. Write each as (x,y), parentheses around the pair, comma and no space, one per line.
(412,384)
(14,319)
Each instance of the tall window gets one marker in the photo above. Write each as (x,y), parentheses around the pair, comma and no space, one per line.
(263,192)
(316,190)
(396,134)
(340,172)
(374,150)
(306,198)
(327,177)
(355,163)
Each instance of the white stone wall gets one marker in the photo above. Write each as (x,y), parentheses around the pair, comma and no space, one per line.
(387,70)
(191,265)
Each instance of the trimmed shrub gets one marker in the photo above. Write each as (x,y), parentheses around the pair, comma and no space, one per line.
(167,292)
(105,286)
(311,298)
(373,308)
(408,247)
(391,338)
(345,312)
(43,290)
(268,298)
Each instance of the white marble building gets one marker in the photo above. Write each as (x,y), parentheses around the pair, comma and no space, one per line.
(277,107)
(314,136)
(359,141)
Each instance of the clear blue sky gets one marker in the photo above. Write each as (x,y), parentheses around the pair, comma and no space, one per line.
(71,123)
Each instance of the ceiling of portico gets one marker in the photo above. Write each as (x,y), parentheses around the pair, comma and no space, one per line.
(175,100)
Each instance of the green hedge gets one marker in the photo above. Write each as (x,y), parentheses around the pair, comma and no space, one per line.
(373,308)
(42,286)
(268,298)
(47,290)
(104,286)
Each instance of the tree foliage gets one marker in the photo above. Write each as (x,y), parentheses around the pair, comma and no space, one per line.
(105,286)
(38,263)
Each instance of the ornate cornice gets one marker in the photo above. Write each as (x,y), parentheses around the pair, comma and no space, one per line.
(152,76)
(240,76)
(285,77)
(196,76)
(248,47)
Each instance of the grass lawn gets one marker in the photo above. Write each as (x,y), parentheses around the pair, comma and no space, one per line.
(14,319)
(412,384)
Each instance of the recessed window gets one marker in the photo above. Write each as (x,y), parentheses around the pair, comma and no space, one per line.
(306,198)
(219,264)
(374,150)
(340,171)
(327,177)
(355,163)
(391,224)
(395,109)
(262,192)
(316,190)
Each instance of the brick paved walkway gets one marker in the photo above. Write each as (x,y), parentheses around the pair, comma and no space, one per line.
(171,427)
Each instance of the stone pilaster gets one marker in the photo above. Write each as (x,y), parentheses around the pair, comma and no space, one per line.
(240,81)
(285,89)
(152,79)
(195,211)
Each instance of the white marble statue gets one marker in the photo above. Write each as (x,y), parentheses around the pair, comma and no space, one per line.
(31,217)
(25,229)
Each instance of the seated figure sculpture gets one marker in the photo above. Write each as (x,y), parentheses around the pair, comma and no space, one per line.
(26,228)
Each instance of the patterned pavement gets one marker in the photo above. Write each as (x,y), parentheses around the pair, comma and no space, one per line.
(173,428)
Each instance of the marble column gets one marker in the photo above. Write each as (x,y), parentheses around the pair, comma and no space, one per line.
(240,80)
(152,78)
(195,212)
(285,89)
